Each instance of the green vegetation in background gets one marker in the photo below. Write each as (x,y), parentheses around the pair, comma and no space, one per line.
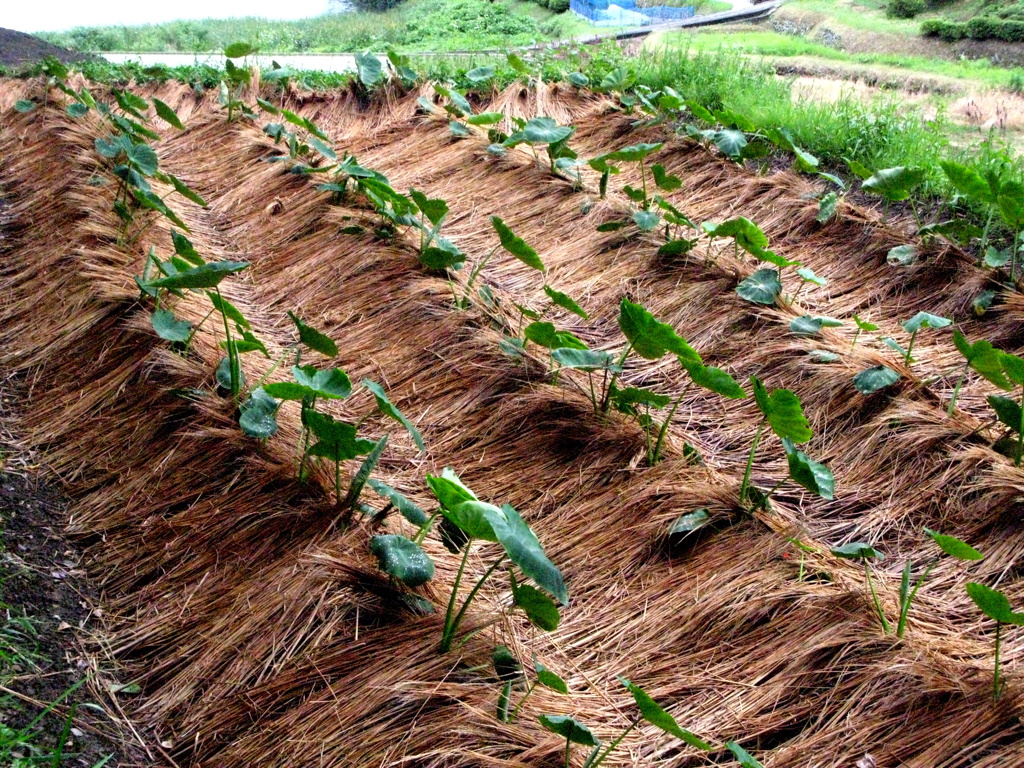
(434,25)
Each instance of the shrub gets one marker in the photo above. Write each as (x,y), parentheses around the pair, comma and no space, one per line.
(905,9)
(558,6)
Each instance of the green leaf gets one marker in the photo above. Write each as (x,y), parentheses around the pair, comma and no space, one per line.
(658,717)
(993,604)
(650,338)
(406,508)
(983,358)
(807,274)
(864,325)
(873,379)
(402,558)
(647,221)
(1013,367)
(169,328)
(730,143)
(857,550)
(745,759)
(434,209)
(167,114)
(968,182)
(1011,205)
(902,255)
(516,245)
(485,118)
(449,489)
(565,302)
(385,406)
(143,158)
(223,375)
(549,679)
(363,473)
(925,320)
(690,522)
(891,343)
(446,255)
(714,379)
(664,180)
(474,518)
(822,356)
(506,666)
(229,310)
(1007,410)
(287,390)
(762,287)
(459,130)
(579,79)
(983,302)
(953,546)
(337,440)
(77,109)
(545,335)
(480,75)
(239,50)
(585,359)
(539,608)
(208,275)
(517,64)
(810,326)
(783,411)
(625,399)
(24,105)
(258,415)
(571,730)
(330,383)
(184,248)
(894,184)
(369,69)
(827,207)
(313,339)
(815,477)
(458,103)
(524,549)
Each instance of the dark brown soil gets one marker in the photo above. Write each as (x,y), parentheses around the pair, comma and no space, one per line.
(18,49)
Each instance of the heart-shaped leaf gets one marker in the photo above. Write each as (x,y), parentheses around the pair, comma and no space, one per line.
(650,338)
(857,550)
(874,379)
(516,245)
(815,477)
(762,287)
(570,729)
(402,558)
(953,546)
(169,328)
(783,412)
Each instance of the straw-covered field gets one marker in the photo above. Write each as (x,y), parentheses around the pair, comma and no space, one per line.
(259,625)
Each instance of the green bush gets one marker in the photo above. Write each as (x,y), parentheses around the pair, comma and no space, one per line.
(1010,30)
(905,9)
(558,6)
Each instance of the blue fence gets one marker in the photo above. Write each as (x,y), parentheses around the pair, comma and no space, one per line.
(626,13)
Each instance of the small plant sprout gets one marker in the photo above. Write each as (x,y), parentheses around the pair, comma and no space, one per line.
(983,358)
(807,277)
(302,141)
(650,711)
(744,758)
(511,243)
(467,519)
(996,606)
(511,673)
(865,553)
(637,153)
(782,413)
(862,325)
(804,550)
(545,132)
(949,545)
(915,324)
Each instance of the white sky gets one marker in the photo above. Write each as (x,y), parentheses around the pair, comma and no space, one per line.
(36,16)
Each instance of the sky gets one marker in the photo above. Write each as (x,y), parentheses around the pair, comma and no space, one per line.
(45,17)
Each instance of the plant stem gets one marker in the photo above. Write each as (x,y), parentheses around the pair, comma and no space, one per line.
(195,329)
(232,352)
(613,745)
(606,401)
(855,337)
(593,395)
(446,635)
(475,272)
(874,596)
(305,442)
(956,389)
(337,482)
(522,701)
(984,233)
(643,179)
(1020,430)
(664,425)
(750,463)
(1013,257)
(905,608)
(465,606)
(421,534)
(995,675)
(910,348)
(567,745)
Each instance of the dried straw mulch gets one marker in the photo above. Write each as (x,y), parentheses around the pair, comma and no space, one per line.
(264,636)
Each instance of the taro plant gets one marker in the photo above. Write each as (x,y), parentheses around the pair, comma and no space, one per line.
(236,79)
(646,220)
(459,109)
(782,413)
(865,553)
(510,673)
(515,245)
(981,357)
(554,138)
(576,732)
(996,606)
(302,140)
(467,519)
(862,325)
(893,185)
(1006,371)
(949,545)
(913,326)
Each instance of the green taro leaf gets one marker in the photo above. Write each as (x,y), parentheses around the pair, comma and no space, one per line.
(446,255)
(983,358)
(730,143)
(222,375)
(313,339)
(857,550)
(77,109)
(815,477)
(822,356)
(458,130)
(953,546)
(549,679)
(458,102)
(545,335)
(664,180)
(762,287)
(571,730)
(239,50)
(370,69)
(632,154)
(894,184)
(229,310)
(690,522)
(474,518)
(983,302)
(485,118)
(565,302)
(869,381)
(585,359)
(1007,410)
(810,326)
(658,717)
(647,221)
(449,489)
(329,383)
(169,328)
(406,508)
(385,406)
(167,114)
(516,245)
(524,549)
(435,210)
(714,379)
(480,75)
(363,473)
(626,398)
(1011,205)
(208,275)
(827,207)
(143,158)
(968,182)
(1013,367)
(539,608)
(993,604)
(337,440)
(24,105)
(807,274)
(925,320)
(783,412)
(745,759)
(506,666)
(184,248)
(864,325)
(258,415)
(402,558)
(650,338)
(579,79)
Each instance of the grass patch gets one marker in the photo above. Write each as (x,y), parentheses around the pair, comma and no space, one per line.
(866,15)
(438,25)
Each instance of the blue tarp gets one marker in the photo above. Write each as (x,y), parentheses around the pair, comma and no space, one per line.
(626,13)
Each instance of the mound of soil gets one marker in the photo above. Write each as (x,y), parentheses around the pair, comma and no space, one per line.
(18,49)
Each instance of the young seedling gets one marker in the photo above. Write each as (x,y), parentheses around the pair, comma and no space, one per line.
(236,78)
(545,132)
(983,358)
(511,243)
(574,732)
(305,139)
(995,605)
(949,545)
(782,413)
(865,553)
(914,325)
(807,277)
(510,673)
(467,519)
(862,325)
(646,219)
(804,550)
